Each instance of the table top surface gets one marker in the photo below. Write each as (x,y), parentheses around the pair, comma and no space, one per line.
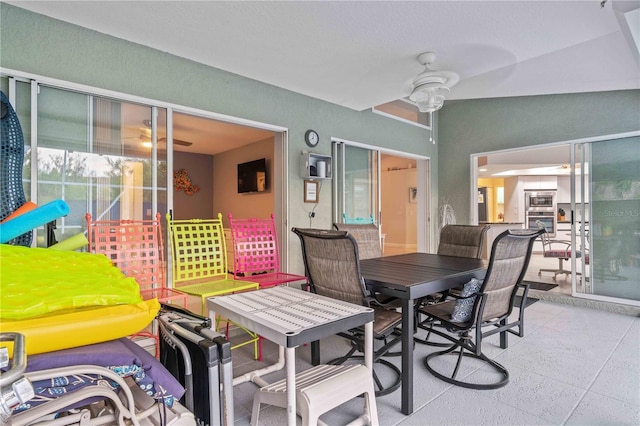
(289,316)
(413,275)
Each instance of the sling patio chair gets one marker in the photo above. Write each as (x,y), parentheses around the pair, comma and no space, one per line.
(481,305)
(366,235)
(333,267)
(455,240)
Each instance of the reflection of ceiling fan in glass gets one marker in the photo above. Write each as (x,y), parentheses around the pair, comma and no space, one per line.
(145,136)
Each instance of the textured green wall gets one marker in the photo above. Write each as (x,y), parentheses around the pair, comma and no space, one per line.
(475,126)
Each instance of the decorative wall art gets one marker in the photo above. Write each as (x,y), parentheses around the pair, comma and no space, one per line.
(182,182)
(413,194)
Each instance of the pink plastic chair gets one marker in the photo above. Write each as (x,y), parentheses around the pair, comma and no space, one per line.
(256,252)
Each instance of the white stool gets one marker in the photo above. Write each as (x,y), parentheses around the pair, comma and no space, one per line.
(321,389)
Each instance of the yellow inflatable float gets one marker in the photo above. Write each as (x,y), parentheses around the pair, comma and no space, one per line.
(60,299)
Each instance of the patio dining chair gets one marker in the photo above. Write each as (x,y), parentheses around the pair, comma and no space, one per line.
(135,247)
(358,220)
(483,305)
(455,240)
(555,249)
(462,240)
(257,253)
(199,264)
(366,235)
(333,267)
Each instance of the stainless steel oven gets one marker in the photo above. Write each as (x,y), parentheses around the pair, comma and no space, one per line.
(540,206)
(540,201)
(548,219)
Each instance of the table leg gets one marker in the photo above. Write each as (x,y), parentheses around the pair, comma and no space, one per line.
(290,361)
(407,356)
(315,352)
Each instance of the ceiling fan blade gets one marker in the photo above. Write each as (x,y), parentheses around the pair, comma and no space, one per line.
(177,142)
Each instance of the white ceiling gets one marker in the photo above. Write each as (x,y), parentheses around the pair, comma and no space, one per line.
(359,54)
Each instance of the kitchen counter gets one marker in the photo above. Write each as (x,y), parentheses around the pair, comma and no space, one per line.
(501,223)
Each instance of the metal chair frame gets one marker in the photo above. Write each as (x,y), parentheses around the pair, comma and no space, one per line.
(136,248)
(334,271)
(455,240)
(199,264)
(492,307)
(550,251)
(257,254)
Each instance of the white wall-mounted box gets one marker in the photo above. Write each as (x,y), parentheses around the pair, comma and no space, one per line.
(315,166)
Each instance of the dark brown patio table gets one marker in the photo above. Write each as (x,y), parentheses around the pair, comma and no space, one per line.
(409,277)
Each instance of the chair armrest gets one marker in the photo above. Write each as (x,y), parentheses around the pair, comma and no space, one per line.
(388,303)
(567,244)
(458,297)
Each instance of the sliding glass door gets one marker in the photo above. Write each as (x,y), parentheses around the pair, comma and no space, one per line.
(358,171)
(387,188)
(607,219)
(86,154)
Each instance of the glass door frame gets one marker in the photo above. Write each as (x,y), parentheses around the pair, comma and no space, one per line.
(577,239)
(424,216)
(281,142)
(586,159)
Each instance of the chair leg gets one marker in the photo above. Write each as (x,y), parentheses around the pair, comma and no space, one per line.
(427,325)
(558,271)
(463,348)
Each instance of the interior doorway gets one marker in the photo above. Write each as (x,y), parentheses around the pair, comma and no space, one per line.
(399,204)
(597,199)
(205,149)
(507,181)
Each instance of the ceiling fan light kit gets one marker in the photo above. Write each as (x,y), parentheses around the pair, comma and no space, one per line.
(431,87)
(145,137)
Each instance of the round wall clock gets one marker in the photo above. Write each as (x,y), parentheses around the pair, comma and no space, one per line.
(311,138)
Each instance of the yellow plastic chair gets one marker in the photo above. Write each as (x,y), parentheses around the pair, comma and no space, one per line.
(199,263)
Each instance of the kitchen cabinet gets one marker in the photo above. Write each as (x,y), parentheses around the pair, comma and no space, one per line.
(539,182)
(564,190)
(514,187)
(513,200)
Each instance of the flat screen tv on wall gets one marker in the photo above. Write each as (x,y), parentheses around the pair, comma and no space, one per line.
(252,176)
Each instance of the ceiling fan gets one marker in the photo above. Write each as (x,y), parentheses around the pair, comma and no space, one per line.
(430,87)
(145,136)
